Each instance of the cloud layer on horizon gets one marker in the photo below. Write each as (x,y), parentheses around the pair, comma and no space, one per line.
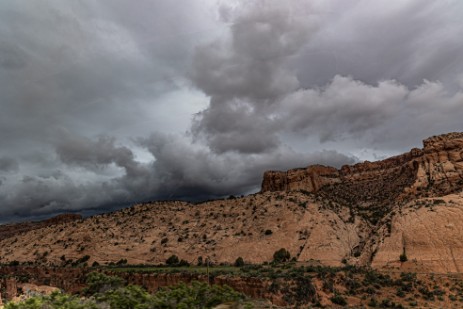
(106,104)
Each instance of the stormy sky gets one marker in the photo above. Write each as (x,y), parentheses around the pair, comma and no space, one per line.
(106,103)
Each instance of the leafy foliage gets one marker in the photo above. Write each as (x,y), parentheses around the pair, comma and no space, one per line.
(339,300)
(54,301)
(281,255)
(99,283)
(239,262)
(197,295)
(172,260)
(403,257)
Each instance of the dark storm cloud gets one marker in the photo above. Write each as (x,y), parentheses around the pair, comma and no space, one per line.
(346,107)
(96,96)
(375,40)
(8,164)
(193,171)
(245,74)
(182,170)
(11,57)
(261,81)
(91,154)
(88,69)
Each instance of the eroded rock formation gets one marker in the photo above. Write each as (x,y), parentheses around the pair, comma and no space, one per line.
(438,167)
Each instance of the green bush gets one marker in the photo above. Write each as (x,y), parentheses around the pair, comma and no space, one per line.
(99,283)
(281,255)
(338,300)
(172,260)
(125,298)
(239,262)
(54,301)
(403,257)
(194,296)
(183,263)
(14,263)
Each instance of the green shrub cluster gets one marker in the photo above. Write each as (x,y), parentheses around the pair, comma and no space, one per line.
(109,292)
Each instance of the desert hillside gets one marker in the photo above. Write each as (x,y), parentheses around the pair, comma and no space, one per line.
(369,213)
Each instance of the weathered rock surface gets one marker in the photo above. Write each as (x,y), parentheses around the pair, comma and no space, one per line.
(364,214)
(430,234)
(438,167)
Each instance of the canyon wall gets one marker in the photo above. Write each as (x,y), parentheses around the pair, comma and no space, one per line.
(436,169)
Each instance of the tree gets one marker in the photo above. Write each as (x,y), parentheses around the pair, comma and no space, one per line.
(239,262)
(403,257)
(281,256)
(99,282)
(172,260)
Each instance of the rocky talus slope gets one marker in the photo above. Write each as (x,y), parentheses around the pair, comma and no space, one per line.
(367,214)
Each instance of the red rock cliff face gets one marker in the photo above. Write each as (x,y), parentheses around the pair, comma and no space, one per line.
(311,179)
(8,287)
(438,166)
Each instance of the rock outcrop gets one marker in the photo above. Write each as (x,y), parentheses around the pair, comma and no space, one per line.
(8,287)
(429,233)
(376,187)
(438,167)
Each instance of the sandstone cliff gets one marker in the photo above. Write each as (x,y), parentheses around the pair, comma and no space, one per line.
(367,214)
(437,167)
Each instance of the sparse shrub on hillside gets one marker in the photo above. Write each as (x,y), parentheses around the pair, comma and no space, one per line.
(172,260)
(239,262)
(403,256)
(281,255)
(268,232)
(338,300)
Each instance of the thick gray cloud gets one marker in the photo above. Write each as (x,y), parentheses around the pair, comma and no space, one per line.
(108,103)
(390,64)
(8,164)
(193,171)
